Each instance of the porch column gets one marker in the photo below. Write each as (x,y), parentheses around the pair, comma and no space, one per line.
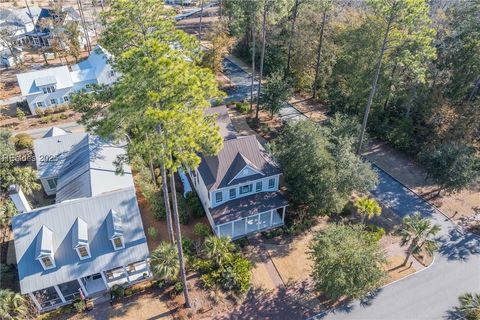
(246,227)
(35,301)
(232,228)
(147,263)
(102,273)
(271,218)
(126,273)
(217,230)
(60,294)
(283,214)
(85,292)
(258,221)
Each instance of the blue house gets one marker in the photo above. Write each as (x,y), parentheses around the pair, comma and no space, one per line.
(92,237)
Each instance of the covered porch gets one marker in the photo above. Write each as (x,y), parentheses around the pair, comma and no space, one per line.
(248,215)
(55,296)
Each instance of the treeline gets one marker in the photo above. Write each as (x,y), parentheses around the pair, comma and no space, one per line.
(429,78)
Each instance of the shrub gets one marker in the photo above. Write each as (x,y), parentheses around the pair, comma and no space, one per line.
(80,306)
(48,111)
(188,247)
(376,232)
(64,116)
(195,205)
(118,291)
(55,117)
(201,230)
(23,141)
(242,107)
(217,101)
(178,287)
(152,232)
(20,114)
(242,242)
(183,213)
(39,112)
(236,275)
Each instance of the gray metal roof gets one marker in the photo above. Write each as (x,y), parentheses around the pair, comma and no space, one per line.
(79,233)
(44,242)
(60,218)
(50,152)
(218,171)
(43,81)
(83,164)
(89,170)
(226,128)
(28,80)
(54,132)
(114,224)
(247,206)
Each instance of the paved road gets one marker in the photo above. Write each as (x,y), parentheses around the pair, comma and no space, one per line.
(432,293)
(39,132)
(242,81)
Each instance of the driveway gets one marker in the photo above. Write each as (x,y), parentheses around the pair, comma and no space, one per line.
(40,132)
(433,292)
(241,91)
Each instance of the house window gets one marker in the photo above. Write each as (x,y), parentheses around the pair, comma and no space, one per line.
(271,183)
(47,262)
(246,189)
(112,73)
(49,90)
(117,243)
(53,101)
(258,186)
(52,88)
(83,252)
(218,197)
(52,183)
(233,193)
(66,98)
(40,104)
(44,90)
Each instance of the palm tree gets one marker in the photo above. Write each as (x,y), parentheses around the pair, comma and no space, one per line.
(469,306)
(13,305)
(218,249)
(164,261)
(418,233)
(368,208)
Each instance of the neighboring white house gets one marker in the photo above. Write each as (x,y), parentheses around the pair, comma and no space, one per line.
(92,237)
(238,187)
(53,86)
(25,27)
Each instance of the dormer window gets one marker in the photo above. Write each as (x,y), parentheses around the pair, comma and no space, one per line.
(47,263)
(44,248)
(48,89)
(115,230)
(80,239)
(218,197)
(118,243)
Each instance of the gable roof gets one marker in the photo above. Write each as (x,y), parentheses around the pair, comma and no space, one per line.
(91,68)
(89,170)
(218,171)
(44,242)
(51,151)
(54,132)
(28,81)
(60,219)
(226,128)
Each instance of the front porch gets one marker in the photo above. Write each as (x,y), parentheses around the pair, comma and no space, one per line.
(92,285)
(255,223)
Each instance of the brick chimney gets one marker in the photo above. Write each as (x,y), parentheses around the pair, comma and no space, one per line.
(18,198)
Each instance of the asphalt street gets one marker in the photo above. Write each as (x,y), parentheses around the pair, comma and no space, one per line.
(429,294)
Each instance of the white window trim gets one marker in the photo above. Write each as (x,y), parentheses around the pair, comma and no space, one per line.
(43,265)
(221,197)
(88,251)
(113,243)
(230,193)
(274,183)
(261,186)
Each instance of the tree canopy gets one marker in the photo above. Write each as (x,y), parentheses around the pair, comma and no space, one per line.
(347,262)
